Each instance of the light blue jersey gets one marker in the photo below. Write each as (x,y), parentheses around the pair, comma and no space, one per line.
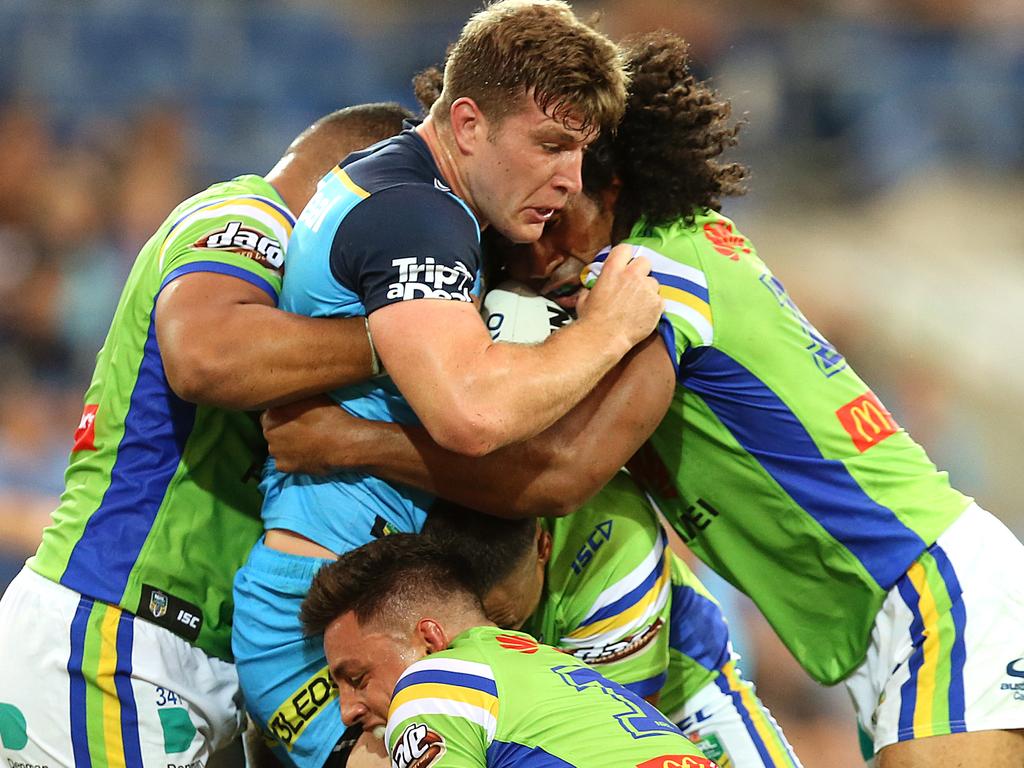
(381,229)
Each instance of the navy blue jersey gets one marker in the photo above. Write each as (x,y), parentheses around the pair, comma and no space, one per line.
(383,227)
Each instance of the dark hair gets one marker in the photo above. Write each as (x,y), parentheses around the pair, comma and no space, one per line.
(359,125)
(666,146)
(492,546)
(515,48)
(386,579)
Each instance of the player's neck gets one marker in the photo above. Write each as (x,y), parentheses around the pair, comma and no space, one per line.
(441,145)
(457,623)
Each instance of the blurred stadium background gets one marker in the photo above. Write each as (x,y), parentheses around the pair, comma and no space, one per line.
(886,140)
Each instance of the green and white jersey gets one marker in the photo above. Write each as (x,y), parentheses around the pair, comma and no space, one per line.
(160,505)
(497,698)
(607,590)
(775,462)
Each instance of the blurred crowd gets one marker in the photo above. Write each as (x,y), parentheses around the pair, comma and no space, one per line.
(887,148)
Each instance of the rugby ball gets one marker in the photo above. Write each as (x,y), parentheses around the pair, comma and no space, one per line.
(515,312)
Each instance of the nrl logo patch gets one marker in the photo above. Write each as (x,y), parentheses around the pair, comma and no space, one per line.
(158,604)
(247,242)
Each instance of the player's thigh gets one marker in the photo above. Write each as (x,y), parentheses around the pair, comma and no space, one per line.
(85,682)
(992,749)
(288,689)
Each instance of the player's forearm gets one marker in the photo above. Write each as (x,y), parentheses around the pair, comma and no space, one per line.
(514,392)
(252,356)
(553,473)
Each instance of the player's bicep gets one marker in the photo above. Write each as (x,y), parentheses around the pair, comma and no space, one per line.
(192,318)
(427,347)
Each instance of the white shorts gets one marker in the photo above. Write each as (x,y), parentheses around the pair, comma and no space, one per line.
(84,683)
(947,648)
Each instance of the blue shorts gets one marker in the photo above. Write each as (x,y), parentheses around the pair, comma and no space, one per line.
(284,677)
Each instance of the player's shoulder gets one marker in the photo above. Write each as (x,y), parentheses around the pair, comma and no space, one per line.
(708,241)
(416,210)
(244,215)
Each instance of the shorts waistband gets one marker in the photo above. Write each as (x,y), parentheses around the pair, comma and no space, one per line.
(284,565)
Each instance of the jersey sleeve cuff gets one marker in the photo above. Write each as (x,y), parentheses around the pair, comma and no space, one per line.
(221,268)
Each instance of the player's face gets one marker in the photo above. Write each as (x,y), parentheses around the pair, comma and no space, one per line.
(511,602)
(571,240)
(526,170)
(366,662)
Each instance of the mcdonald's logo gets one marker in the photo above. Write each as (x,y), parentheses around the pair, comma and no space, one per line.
(867,421)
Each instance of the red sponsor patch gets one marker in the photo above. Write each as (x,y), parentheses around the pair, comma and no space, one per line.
(85,435)
(867,421)
(677,761)
(517,643)
(724,240)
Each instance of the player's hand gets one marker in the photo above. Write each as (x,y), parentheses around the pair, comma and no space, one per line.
(625,298)
(314,436)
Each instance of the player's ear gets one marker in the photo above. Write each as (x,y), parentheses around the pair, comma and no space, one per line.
(543,545)
(432,635)
(469,126)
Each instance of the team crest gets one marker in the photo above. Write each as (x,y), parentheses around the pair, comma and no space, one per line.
(418,747)
(725,240)
(157,604)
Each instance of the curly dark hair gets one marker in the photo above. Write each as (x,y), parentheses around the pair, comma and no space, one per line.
(666,146)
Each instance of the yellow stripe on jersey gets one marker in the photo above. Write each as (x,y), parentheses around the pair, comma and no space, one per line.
(107,665)
(687,299)
(777,749)
(350,185)
(259,205)
(926,675)
(627,617)
(442,691)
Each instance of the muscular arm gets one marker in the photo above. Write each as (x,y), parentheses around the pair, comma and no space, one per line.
(552,473)
(223,343)
(475,396)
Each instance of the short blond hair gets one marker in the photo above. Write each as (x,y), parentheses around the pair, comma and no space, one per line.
(517,48)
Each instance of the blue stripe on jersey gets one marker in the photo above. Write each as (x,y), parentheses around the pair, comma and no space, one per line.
(629,599)
(125,695)
(505,754)
(908,691)
(697,628)
(682,284)
(766,428)
(958,653)
(79,732)
(668,335)
(737,702)
(445,677)
(648,687)
(156,429)
(221,269)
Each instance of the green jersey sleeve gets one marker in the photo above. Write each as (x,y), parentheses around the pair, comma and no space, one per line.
(242,235)
(444,712)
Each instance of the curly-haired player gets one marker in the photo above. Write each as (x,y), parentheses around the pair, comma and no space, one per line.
(795,482)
